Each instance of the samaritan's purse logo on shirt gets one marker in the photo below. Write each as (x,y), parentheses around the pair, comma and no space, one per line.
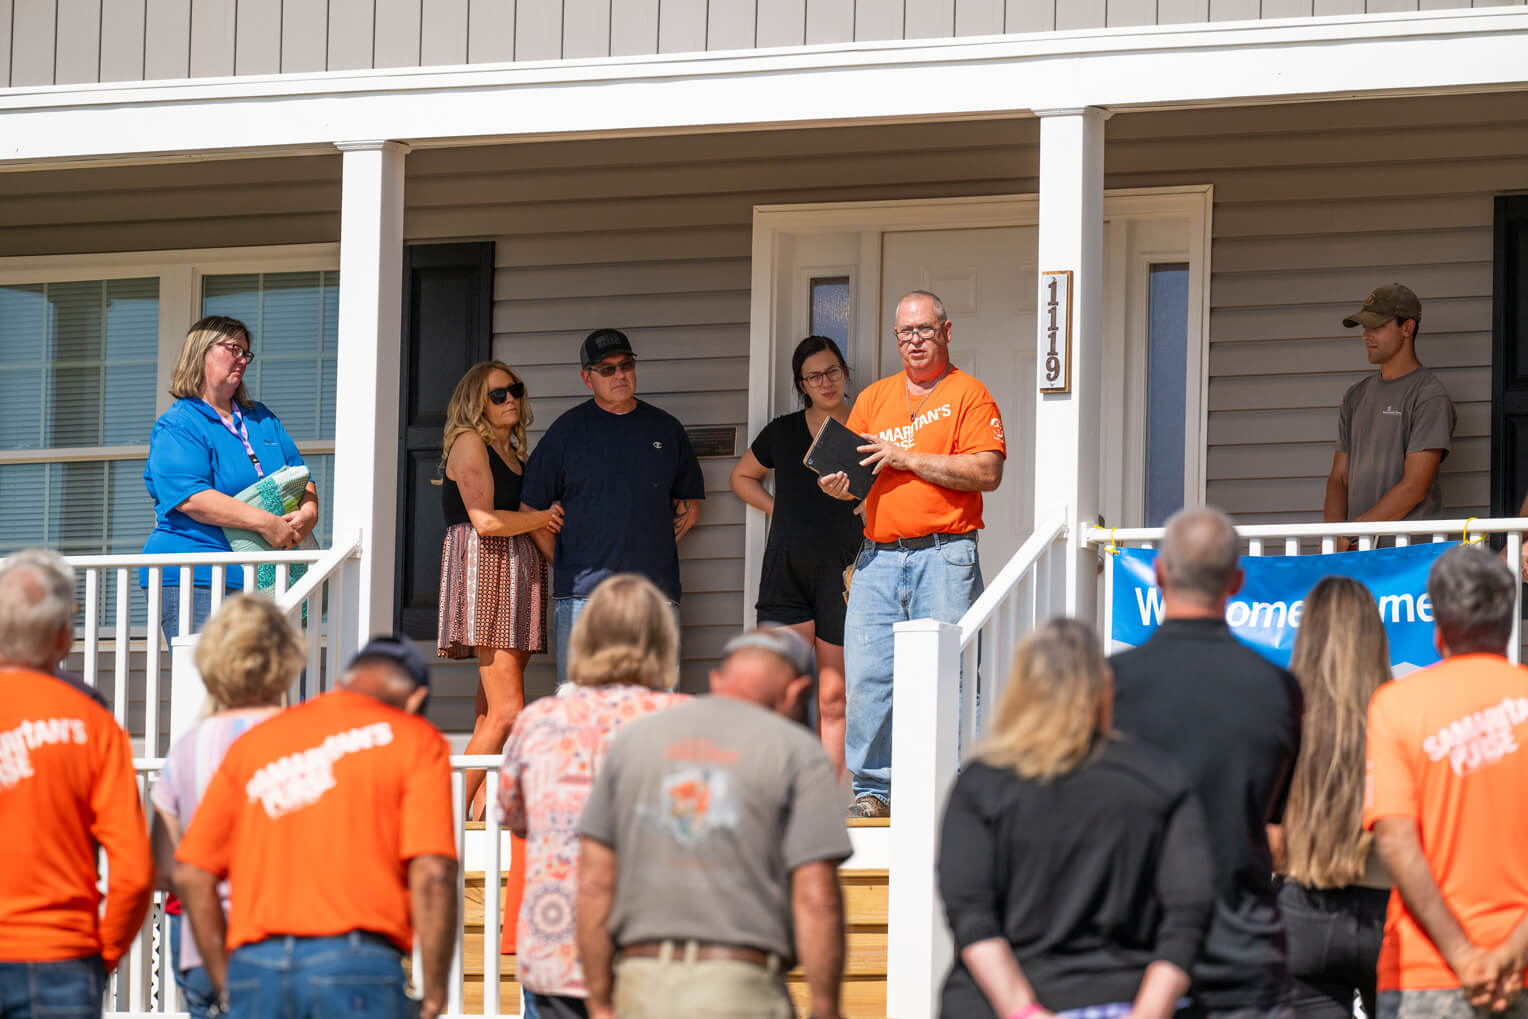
(902,435)
(298,780)
(16,745)
(1480,738)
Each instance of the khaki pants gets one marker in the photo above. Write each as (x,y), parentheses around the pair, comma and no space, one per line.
(676,985)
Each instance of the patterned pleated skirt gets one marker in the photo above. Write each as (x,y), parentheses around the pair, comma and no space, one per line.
(494,592)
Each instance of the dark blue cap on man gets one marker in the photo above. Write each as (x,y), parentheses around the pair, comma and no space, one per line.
(600,344)
(397,650)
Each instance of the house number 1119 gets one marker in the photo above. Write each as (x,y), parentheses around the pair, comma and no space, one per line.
(1055,367)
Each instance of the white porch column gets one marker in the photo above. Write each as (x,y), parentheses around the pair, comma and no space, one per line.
(370,349)
(1067,424)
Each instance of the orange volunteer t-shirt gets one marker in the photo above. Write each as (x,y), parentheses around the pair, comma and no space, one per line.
(959,416)
(314,815)
(67,786)
(1445,749)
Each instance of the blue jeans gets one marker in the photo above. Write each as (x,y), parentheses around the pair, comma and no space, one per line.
(68,989)
(169,609)
(194,983)
(565,612)
(891,585)
(355,974)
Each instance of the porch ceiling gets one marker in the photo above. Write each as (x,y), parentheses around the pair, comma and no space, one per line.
(1122,69)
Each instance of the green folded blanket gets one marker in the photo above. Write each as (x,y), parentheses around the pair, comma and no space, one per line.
(279,492)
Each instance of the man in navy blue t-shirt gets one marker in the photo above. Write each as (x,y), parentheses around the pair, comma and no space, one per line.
(628,481)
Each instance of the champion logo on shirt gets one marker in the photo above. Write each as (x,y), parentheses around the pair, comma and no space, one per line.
(16,745)
(1480,738)
(298,780)
(657,444)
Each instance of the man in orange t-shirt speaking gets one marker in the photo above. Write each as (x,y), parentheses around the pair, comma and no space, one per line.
(1446,802)
(66,788)
(332,824)
(935,441)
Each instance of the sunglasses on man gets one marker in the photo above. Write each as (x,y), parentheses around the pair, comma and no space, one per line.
(502,393)
(606,371)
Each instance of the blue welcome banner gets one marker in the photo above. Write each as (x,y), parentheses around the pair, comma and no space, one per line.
(1265,615)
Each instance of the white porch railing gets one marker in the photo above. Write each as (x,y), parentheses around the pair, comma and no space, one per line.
(143,984)
(130,632)
(935,720)
(1298,539)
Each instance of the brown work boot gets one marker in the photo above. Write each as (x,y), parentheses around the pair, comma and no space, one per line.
(868,806)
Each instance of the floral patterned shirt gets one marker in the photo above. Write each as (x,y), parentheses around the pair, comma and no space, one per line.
(557,745)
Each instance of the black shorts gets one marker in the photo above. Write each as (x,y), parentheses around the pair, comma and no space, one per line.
(800,587)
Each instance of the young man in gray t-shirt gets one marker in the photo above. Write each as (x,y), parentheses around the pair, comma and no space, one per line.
(1394,427)
(710,850)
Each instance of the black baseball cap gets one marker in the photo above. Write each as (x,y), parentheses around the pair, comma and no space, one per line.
(600,344)
(398,650)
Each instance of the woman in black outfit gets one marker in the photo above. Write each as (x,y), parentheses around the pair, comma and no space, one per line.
(1335,886)
(1074,863)
(494,587)
(812,537)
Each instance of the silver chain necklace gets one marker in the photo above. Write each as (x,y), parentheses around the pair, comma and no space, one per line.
(912,415)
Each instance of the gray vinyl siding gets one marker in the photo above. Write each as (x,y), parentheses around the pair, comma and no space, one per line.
(1314,205)
(47,42)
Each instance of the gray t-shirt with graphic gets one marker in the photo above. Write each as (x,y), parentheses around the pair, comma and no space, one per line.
(709,807)
(1383,421)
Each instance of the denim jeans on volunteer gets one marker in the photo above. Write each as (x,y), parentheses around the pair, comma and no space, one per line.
(194,983)
(68,989)
(565,612)
(676,984)
(169,609)
(355,974)
(890,585)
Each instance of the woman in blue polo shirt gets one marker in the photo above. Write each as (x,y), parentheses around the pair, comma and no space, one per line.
(212,443)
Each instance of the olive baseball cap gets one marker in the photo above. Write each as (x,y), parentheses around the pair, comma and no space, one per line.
(1385,303)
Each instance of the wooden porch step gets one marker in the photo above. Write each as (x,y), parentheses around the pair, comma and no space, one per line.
(864,989)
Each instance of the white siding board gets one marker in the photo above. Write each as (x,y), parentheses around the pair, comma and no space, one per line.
(633,27)
(929,19)
(1384,6)
(978,17)
(78,57)
(730,24)
(396,38)
(166,39)
(829,21)
(554,282)
(304,36)
(257,37)
(1460,350)
(1235,10)
(878,19)
(443,33)
(351,34)
(1287,8)
(1123,13)
(1030,15)
(5,43)
(1327,7)
(538,29)
(1439,211)
(585,28)
(782,23)
(728,241)
(212,38)
(1440,316)
(1181,12)
(1243,290)
(1076,14)
(33,26)
(490,31)
(1375,249)
(681,26)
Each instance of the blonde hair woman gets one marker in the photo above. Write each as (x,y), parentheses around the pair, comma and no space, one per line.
(1073,863)
(493,580)
(248,656)
(625,652)
(1335,888)
(212,443)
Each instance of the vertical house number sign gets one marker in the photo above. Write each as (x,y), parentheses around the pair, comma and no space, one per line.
(1055,367)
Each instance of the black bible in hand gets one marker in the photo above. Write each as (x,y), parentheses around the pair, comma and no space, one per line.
(834,448)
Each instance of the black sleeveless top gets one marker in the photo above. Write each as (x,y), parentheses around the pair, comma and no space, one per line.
(506,491)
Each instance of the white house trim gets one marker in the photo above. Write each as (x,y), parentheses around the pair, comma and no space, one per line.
(1159,66)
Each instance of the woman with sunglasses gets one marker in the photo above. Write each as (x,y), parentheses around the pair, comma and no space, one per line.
(812,536)
(494,587)
(214,442)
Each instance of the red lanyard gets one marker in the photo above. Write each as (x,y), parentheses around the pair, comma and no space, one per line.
(241,433)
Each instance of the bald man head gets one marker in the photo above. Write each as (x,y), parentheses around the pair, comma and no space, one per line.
(1197,567)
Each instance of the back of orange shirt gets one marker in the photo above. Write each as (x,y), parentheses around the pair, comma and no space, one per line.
(314,815)
(1445,750)
(958,416)
(66,787)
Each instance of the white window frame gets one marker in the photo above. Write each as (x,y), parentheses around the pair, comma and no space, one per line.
(180,275)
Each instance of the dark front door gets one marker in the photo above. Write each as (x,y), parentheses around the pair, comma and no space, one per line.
(447,328)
